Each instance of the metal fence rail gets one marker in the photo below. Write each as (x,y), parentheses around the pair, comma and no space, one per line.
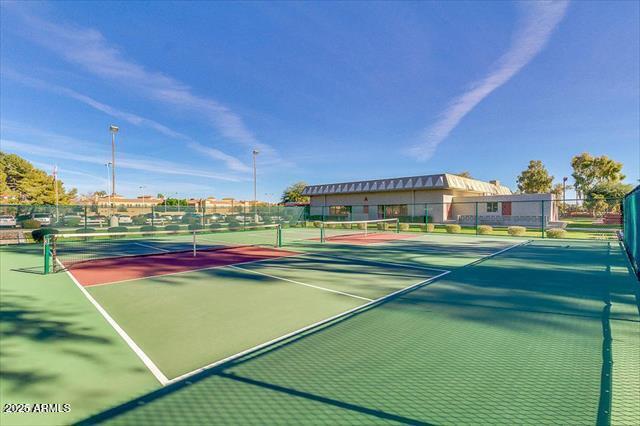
(631,233)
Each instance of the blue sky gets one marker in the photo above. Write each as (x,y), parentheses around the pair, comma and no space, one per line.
(326,91)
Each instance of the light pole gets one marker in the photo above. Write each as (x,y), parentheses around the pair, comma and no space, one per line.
(142,187)
(113,129)
(107,165)
(255,187)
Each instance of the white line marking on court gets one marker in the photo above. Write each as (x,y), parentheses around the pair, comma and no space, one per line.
(159,375)
(196,270)
(300,283)
(496,253)
(303,329)
(377,262)
(148,246)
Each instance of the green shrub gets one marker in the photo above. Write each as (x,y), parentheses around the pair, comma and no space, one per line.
(267,220)
(384,226)
(215,226)
(30,224)
(139,220)
(72,221)
(362,226)
(85,230)
(517,231)
(195,226)
(346,225)
(148,228)
(118,229)
(38,234)
(172,227)
(317,224)
(485,229)
(428,227)
(453,229)
(556,233)
(404,226)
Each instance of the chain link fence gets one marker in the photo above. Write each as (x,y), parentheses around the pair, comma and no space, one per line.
(582,219)
(17,221)
(631,233)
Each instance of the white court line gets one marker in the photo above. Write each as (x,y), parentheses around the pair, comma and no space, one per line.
(303,329)
(301,283)
(148,246)
(159,375)
(376,262)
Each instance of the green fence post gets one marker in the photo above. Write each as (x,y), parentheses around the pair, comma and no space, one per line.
(47,259)
(476,221)
(542,217)
(85,218)
(322,233)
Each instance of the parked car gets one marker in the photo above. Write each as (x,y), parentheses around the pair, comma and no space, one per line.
(8,220)
(123,219)
(96,220)
(43,218)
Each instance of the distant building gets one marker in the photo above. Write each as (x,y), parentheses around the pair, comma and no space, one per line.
(224,205)
(444,198)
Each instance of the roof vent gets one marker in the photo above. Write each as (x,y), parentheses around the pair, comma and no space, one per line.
(495,182)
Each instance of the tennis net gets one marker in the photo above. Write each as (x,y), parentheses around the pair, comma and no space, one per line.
(62,251)
(343,230)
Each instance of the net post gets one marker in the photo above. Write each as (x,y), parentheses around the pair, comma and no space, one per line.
(397,225)
(194,243)
(279,236)
(47,255)
(322,232)
(85,218)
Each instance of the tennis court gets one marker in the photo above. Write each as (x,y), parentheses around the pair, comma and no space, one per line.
(365,326)
(188,301)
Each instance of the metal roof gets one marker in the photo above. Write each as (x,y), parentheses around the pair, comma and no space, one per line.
(440,181)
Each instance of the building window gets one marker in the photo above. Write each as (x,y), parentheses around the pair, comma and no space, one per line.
(339,210)
(492,207)
(393,211)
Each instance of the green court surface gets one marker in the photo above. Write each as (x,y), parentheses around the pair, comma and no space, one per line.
(490,331)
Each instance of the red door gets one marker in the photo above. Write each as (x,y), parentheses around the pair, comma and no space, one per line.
(506,208)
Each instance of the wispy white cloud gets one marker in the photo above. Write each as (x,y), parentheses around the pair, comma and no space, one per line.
(538,21)
(70,93)
(125,160)
(89,49)
(231,162)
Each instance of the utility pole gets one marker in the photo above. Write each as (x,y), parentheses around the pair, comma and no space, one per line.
(255,188)
(113,129)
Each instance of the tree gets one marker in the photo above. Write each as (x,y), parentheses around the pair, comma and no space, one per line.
(606,196)
(30,184)
(589,171)
(535,179)
(176,202)
(161,196)
(293,193)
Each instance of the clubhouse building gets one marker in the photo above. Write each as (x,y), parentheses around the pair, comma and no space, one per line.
(443,198)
